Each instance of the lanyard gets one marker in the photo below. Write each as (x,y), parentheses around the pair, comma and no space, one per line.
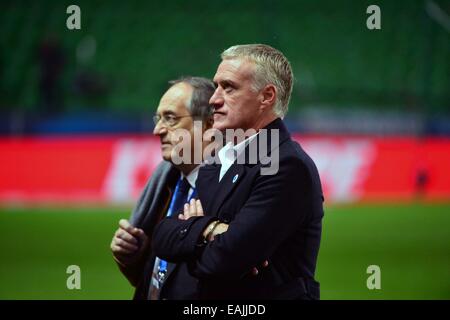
(162,269)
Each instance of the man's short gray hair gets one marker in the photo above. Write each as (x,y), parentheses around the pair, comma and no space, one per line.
(203,89)
(271,67)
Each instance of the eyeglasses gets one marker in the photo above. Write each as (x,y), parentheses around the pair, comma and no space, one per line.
(168,119)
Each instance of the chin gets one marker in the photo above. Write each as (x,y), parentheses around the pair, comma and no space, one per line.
(220,125)
(167,158)
(166,154)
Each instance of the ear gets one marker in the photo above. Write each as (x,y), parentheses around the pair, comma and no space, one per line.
(269,96)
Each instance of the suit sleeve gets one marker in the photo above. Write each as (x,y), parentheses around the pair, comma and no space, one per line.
(134,272)
(276,207)
(177,240)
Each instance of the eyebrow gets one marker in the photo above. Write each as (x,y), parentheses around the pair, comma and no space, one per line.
(228,83)
(168,112)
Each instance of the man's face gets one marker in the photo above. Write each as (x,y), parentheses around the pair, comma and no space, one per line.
(173,104)
(236,103)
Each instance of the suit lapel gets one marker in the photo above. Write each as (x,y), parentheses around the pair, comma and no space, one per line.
(157,200)
(229,181)
(213,193)
(207,186)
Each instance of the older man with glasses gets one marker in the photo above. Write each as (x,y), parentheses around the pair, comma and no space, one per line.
(170,187)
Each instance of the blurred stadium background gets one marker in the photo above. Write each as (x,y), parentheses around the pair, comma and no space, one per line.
(371,107)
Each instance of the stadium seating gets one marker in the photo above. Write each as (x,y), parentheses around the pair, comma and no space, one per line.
(337,61)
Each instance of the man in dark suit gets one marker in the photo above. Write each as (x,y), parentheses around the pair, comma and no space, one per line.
(170,186)
(265,212)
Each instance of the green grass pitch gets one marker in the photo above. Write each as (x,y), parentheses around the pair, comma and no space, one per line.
(409,242)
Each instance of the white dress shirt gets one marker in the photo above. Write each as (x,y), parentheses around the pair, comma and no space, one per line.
(229,153)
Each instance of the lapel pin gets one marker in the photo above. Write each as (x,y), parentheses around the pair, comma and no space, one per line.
(235,178)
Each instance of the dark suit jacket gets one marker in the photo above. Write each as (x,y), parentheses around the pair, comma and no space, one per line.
(150,209)
(271,217)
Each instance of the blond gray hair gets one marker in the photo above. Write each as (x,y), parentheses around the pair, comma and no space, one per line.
(271,67)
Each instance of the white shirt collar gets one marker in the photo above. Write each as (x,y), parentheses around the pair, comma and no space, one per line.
(239,148)
(226,156)
(229,153)
(192,176)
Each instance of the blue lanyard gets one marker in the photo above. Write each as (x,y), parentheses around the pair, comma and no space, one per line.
(162,263)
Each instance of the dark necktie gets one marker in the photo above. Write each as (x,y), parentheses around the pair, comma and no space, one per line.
(180,197)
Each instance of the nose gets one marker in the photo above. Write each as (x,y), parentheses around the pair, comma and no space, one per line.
(217,99)
(159,129)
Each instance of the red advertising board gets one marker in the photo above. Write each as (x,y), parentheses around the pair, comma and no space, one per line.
(109,169)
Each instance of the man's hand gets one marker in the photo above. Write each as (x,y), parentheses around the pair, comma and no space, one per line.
(218,229)
(128,244)
(221,228)
(192,209)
